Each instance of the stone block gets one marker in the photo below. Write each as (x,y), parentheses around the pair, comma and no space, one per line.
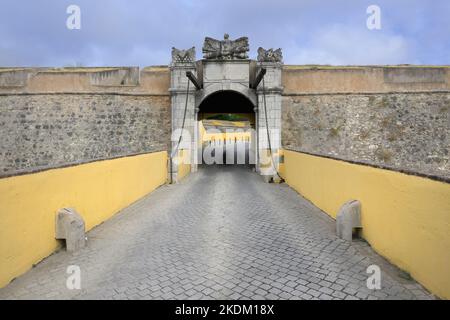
(348,218)
(70,226)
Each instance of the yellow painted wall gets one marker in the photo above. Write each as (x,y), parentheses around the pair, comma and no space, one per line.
(281,167)
(184,164)
(216,136)
(405,218)
(98,190)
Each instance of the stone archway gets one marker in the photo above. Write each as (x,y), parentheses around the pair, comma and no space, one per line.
(227,101)
(226,121)
(226,68)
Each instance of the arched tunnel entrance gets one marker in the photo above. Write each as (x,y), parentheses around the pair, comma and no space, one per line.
(219,94)
(227,124)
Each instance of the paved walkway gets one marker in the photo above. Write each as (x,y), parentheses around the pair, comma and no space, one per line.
(220,234)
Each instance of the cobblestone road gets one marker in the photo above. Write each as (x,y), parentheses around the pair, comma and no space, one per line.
(220,234)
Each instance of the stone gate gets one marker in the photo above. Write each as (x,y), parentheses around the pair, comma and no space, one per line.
(226,67)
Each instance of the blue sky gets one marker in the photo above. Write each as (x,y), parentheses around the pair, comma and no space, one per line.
(142,32)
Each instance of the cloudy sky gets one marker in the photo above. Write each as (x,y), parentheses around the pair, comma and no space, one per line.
(142,32)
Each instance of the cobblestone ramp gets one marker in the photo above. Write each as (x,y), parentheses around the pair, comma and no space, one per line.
(222,233)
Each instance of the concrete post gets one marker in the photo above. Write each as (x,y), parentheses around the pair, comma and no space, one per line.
(70,227)
(347,219)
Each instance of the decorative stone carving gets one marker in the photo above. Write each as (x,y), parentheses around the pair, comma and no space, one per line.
(183,56)
(226,49)
(270,55)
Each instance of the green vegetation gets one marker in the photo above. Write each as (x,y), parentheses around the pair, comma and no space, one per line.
(227,117)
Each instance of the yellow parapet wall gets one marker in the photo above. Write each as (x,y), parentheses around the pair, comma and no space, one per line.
(98,190)
(184,163)
(405,218)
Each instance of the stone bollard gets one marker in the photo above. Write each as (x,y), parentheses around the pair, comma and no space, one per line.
(70,226)
(277,179)
(348,218)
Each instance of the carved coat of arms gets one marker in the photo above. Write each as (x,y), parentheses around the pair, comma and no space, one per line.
(270,55)
(183,56)
(226,49)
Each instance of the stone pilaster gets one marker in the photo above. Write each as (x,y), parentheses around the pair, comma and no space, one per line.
(178,92)
(271,98)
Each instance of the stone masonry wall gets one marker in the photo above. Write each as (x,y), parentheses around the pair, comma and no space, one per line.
(394,117)
(41,131)
(407,132)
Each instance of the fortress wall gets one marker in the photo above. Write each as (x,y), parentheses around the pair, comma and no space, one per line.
(93,139)
(96,139)
(45,131)
(126,80)
(370,79)
(353,133)
(395,118)
(57,118)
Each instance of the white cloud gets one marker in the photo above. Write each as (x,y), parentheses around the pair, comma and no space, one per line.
(142,32)
(341,45)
